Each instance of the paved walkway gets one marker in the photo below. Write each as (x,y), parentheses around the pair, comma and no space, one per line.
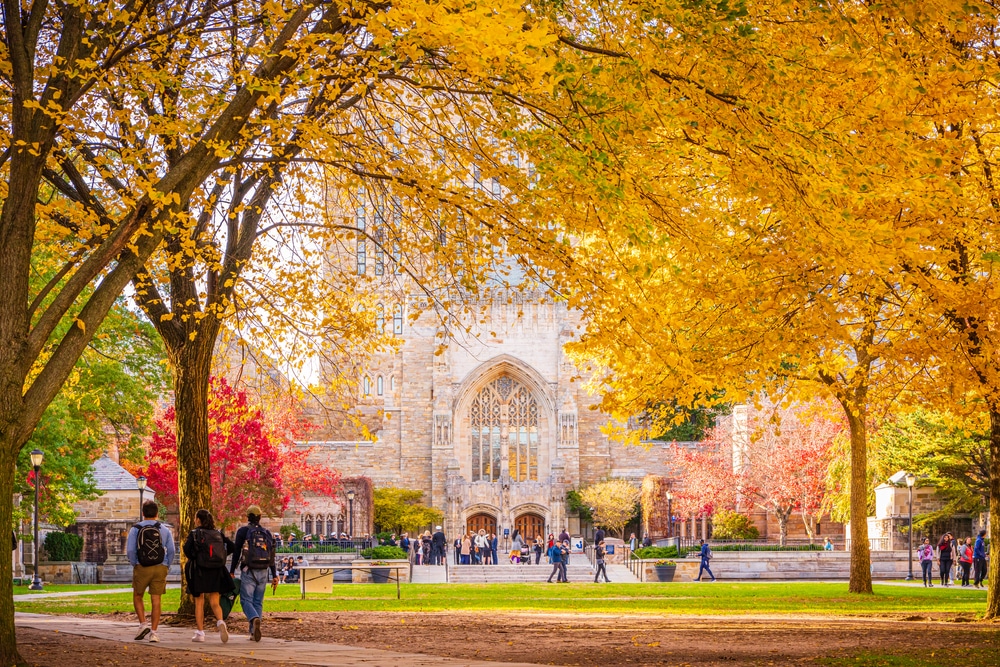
(68,594)
(239,646)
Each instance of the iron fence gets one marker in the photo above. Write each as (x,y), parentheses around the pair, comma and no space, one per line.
(335,546)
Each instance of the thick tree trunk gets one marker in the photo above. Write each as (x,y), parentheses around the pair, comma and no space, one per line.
(8,640)
(993,580)
(192,367)
(861,560)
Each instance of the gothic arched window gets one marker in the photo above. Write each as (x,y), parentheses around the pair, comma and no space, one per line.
(504,425)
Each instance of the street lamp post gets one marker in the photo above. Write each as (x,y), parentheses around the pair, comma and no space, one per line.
(36,461)
(141,483)
(911,479)
(350,511)
(670,514)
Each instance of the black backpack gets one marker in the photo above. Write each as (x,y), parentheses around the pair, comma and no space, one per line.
(149,549)
(211,549)
(258,550)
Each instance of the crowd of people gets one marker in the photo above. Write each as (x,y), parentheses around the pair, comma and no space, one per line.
(956,559)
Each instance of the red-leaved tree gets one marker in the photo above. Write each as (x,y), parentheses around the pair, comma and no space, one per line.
(780,467)
(253,458)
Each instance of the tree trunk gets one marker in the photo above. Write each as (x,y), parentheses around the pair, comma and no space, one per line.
(8,639)
(861,560)
(782,526)
(192,367)
(993,580)
(809,522)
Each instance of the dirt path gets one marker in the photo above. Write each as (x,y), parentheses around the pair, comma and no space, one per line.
(601,640)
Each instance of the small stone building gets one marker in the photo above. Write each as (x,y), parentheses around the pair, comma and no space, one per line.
(104,522)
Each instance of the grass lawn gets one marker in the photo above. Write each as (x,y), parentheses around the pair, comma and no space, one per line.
(716,599)
(967,656)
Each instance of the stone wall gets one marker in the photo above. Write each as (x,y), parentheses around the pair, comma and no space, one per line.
(788,565)
(67,572)
(113,505)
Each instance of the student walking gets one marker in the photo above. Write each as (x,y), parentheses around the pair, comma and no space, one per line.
(555,557)
(206,549)
(925,553)
(979,558)
(150,550)
(254,555)
(706,555)
(944,558)
(600,554)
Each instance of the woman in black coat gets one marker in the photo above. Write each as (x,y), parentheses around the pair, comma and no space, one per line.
(207,581)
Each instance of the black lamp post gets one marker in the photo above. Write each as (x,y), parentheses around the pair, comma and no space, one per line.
(670,514)
(350,511)
(140,482)
(911,479)
(36,461)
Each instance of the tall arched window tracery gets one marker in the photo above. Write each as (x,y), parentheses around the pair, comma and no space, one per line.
(504,425)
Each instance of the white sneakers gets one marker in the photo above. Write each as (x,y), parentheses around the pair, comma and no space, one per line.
(199,636)
(152,637)
(144,630)
(223,631)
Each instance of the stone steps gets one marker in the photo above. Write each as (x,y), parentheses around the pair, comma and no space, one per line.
(501,574)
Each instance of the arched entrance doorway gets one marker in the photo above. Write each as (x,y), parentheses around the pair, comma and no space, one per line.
(478,522)
(530,526)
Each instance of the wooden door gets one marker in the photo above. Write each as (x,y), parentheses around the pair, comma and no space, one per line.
(481,521)
(530,526)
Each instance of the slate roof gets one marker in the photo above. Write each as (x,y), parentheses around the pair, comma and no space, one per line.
(109,476)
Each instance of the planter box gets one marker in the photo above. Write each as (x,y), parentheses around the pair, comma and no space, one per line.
(380,575)
(664,573)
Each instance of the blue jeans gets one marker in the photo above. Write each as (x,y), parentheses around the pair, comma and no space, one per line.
(253,585)
(925,566)
(704,568)
(465,559)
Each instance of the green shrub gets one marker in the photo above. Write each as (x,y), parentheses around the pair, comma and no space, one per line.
(63,546)
(384,553)
(728,525)
(767,547)
(660,553)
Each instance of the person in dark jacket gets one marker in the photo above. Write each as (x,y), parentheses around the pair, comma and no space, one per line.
(253,578)
(206,582)
(944,558)
(706,555)
(979,558)
(438,545)
(600,555)
(555,557)
(494,543)
(599,535)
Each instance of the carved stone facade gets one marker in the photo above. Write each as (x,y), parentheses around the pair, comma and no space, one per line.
(492,423)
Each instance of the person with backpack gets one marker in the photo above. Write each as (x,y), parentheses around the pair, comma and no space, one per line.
(254,555)
(150,550)
(706,556)
(207,550)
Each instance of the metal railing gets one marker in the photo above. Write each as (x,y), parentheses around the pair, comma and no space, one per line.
(874,544)
(634,565)
(333,546)
(791,544)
